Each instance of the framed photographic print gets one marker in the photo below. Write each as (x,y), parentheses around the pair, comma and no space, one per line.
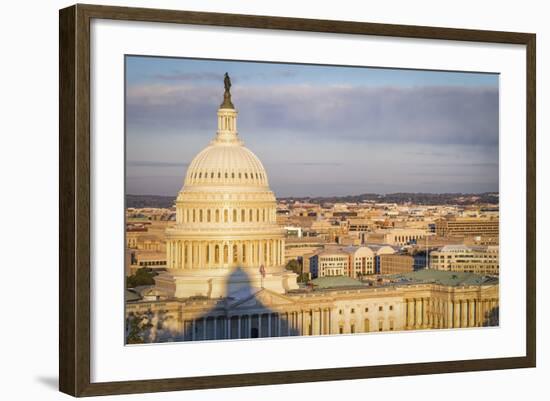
(343,199)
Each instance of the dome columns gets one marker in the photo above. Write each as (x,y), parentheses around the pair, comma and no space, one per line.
(213,254)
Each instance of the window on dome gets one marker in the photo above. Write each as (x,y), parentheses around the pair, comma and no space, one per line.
(217,254)
(235,254)
(232,175)
(226,176)
(193,215)
(250,215)
(242,215)
(257,214)
(246,176)
(239,175)
(212,175)
(225,254)
(234,215)
(208,215)
(217,216)
(244,253)
(200,215)
(225,216)
(219,175)
(200,175)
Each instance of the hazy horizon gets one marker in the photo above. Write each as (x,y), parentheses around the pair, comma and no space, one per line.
(318,130)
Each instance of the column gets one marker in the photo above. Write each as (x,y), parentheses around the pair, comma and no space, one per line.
(279,324)
(418,314)
(238,326)
(269,316)
(410,313)
(261,253)
(230,253)
(456,314)
(425,322)
(200,255)
(259,325)
(450,319)
(193,323)
(228,327)
(471,313)
(204,328)
(215,327)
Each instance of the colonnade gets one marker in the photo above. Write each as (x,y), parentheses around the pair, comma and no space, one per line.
(225,215)
(182,254)
(317,321)
(439,313)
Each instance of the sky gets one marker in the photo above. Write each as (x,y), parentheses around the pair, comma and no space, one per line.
(319,130)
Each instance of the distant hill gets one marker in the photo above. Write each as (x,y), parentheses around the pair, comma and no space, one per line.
(405,197)
(156,201)
(159,201)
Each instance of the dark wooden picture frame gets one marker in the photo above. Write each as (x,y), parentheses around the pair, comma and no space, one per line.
(74,199)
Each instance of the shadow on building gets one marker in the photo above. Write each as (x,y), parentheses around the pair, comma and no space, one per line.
(247,312)
(491,317)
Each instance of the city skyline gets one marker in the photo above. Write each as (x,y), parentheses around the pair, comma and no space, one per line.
(351,130)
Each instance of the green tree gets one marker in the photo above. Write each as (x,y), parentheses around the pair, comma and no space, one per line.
(142,276)
(294,266)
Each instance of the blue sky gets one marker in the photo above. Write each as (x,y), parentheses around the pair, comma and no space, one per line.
(319,130)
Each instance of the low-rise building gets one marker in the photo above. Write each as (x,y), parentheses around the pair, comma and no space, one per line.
(396,264)
(463,258)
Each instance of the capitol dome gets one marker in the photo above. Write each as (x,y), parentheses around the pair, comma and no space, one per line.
(225,221)
(226,163)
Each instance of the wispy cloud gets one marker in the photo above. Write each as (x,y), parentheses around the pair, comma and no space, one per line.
(143,163)
(437,115)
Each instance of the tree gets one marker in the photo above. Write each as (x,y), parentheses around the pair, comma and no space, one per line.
(294,266)
(142,276)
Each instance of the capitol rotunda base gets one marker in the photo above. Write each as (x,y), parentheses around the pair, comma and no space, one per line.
(221,283)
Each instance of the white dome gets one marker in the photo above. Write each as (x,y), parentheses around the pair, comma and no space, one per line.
(222,163)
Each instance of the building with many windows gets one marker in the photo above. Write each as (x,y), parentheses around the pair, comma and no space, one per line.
(467,226)
(463,258)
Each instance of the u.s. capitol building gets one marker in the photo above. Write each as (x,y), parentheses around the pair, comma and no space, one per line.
(225,276)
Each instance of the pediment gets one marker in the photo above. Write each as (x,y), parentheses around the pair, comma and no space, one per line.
(263,298)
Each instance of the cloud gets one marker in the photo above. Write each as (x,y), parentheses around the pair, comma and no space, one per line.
(425,115)
(142,163)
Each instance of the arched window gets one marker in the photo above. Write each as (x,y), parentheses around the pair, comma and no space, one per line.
(257,214)
(193,215)
(225,254)
(207,254)
(242,215)
(234,215)
(235,254)
(217,254)
(232,175)
(366,327)
(250,215)
(263,214)
(200,215)
(208,215)
(244,253)
(217,216)
(225,216)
